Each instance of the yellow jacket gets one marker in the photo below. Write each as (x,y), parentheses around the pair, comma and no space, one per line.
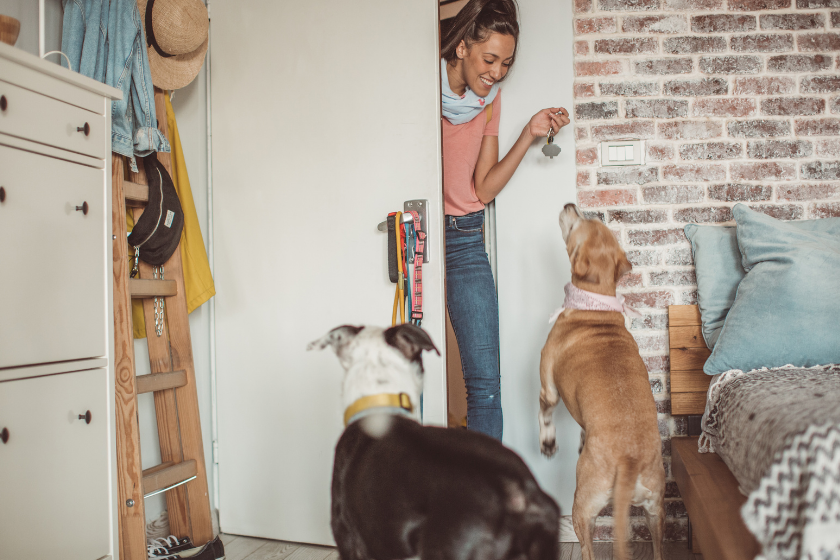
(198,281)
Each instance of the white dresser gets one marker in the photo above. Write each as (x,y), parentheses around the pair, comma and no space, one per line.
(56,391)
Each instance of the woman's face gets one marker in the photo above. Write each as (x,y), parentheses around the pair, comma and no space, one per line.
(486,63)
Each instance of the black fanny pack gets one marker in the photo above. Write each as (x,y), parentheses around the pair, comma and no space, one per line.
(158,231)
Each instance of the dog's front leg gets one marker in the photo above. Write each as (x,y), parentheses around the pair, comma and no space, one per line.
(347,542)
(548,400)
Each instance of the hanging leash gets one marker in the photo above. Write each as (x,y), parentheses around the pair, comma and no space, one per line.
(406,250)
(416,287)
(408,226)
(395,251)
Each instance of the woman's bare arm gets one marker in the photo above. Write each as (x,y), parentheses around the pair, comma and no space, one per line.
(491,175)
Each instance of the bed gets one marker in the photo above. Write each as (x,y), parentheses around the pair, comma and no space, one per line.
(770,472)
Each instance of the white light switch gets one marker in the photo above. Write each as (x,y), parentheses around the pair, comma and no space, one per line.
(622,152)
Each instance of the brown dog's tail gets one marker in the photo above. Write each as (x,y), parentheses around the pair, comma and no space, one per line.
(625,484)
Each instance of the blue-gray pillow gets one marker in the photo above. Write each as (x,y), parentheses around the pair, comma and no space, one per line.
(786,309)
(717,262)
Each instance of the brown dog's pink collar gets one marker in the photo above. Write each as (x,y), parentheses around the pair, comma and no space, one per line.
(590,301)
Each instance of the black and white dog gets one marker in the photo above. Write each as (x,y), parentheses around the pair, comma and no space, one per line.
(402,490)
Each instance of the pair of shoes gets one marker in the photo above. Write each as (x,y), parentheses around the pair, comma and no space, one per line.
(213,550)
(167,545)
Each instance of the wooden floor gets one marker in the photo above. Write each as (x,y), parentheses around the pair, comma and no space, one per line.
(249,548)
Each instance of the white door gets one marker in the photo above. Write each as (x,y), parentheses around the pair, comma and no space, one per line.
(325,118)
(532,263)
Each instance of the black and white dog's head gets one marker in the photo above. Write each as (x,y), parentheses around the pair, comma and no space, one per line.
(379,360)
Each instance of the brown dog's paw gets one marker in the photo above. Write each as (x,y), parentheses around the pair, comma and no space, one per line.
(548,448)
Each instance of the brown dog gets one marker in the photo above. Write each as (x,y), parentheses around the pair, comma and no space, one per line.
(591,361)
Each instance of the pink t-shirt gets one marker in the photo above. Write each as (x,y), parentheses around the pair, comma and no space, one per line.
(461,145)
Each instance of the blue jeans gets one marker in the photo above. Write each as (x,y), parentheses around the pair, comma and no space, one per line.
(474,312)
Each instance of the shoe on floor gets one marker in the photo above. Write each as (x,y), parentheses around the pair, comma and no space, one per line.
(161,547)
(213,550)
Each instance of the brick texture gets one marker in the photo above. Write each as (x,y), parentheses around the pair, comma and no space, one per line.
(763,86)
(754,5)
(722,23)
(629,89)
(738,101)
(664,66)
(798,63)
(731,64)
(654,24)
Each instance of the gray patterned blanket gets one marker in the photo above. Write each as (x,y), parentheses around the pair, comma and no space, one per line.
(778,430)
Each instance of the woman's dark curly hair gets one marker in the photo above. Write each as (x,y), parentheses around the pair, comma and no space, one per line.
(476,21)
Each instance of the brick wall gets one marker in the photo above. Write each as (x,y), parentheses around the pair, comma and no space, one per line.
(738,101)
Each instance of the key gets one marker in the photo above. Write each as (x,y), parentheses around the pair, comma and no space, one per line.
(551,149)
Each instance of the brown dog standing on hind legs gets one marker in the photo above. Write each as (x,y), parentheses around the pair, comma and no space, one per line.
(591,361)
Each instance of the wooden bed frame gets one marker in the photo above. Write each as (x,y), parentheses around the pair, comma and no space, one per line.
(708,488)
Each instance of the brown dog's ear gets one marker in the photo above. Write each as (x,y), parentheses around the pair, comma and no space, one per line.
(582,268)
(622,266)
(337,338)
(411,340)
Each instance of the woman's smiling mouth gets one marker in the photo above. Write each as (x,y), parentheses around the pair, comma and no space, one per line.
(485,81)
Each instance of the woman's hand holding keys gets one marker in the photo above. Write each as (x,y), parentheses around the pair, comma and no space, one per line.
(553,118)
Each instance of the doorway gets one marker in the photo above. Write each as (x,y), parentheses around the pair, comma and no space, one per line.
(524,243)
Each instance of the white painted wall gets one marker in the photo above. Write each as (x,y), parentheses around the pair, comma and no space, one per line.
(190,108)
(532,262)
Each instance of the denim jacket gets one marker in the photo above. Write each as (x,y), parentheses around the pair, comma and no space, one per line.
(104,40)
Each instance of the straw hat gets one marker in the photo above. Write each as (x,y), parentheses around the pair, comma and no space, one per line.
(177,38)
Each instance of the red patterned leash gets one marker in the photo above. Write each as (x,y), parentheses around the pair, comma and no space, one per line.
(417,276)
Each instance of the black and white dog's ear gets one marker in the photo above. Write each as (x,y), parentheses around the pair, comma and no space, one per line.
(337,338)
(411,340)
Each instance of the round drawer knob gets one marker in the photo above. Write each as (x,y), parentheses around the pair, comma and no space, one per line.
(4,435)
(2,194)
(129,502)
(83,208)
(85,129)
(3,103)
(86,417)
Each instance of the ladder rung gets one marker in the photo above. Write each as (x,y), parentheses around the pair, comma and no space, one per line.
(146,288)
(135,192)
(167,474)
(161,381)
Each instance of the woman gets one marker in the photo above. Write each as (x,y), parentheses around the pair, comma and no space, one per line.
(478,51)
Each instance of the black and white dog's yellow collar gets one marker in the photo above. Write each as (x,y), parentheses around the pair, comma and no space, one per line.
(399,401)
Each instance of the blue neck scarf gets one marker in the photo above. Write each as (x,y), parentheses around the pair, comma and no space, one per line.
(458,109)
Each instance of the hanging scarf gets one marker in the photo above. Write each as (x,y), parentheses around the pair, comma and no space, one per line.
(460,109)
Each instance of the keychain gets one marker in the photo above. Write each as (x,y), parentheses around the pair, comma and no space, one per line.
(551,149)
(136,268)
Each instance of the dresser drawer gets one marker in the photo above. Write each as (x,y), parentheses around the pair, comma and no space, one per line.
(54,467)
(41,119)
(53,281)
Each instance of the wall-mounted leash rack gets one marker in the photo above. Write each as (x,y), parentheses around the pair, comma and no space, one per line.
(407,239)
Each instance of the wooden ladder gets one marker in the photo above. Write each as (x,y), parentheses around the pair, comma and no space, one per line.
(182,473)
